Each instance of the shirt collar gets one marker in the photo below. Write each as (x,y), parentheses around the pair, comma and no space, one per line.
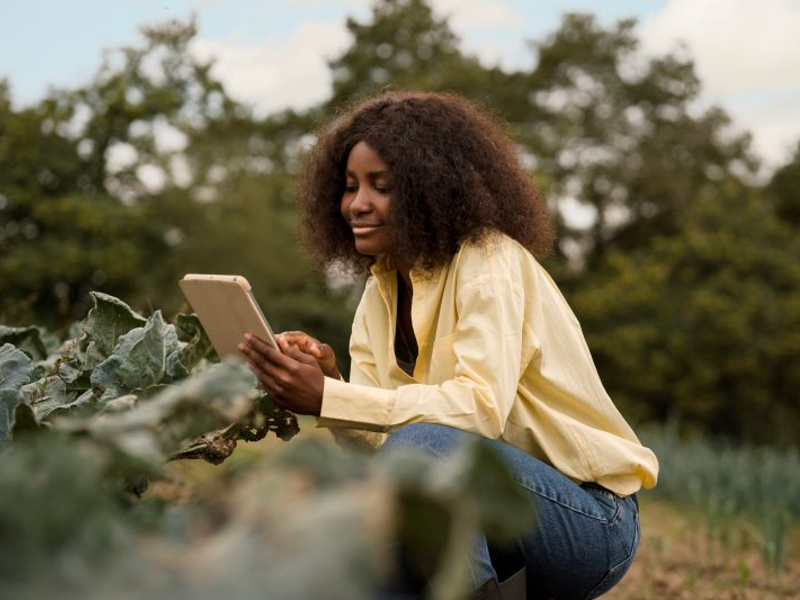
(385,266)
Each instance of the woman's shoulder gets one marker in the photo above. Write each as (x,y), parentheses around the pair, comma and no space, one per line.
(496,253)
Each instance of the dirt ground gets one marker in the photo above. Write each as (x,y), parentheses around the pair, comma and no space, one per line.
(675,560)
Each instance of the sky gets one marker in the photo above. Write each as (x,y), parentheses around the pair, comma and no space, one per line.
(272,53)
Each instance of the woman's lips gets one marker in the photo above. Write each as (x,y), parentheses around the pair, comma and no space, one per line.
(364,229)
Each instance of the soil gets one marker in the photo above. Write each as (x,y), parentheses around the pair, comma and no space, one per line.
(676,560)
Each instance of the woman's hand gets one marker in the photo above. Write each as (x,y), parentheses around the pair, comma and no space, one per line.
(294,379)
(322,352)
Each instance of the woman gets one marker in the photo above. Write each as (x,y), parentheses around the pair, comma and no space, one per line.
(460,330)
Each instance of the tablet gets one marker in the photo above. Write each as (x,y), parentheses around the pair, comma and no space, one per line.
(227,309)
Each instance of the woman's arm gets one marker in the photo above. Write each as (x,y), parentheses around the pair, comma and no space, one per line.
(488,353)
(276,375)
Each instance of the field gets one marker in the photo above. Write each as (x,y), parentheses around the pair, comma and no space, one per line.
(676,560)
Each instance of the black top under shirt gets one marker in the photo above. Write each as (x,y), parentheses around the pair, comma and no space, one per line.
(405,345)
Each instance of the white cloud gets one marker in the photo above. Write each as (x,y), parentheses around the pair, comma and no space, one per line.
(277,74)
(274,74)
(348,3)
(747,55)
(492,14)
(740,46)
(776,125)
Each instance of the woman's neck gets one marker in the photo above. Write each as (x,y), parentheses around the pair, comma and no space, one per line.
(404,271)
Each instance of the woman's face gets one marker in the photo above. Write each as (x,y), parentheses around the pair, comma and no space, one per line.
(365,202)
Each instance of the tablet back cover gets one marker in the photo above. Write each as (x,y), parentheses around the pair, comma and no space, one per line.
(226,309)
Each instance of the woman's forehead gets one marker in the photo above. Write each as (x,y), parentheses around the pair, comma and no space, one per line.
(364,158)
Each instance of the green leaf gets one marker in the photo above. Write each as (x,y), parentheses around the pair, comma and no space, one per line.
(110,319)
(477,472)
(138,360)
(15,368)
(198,346)
(8,402)
(34,341)
(70,371)
(56,508)
(326,464)
(46,395)
(158,427)
(24,420)
(15,371)
(150,392)
(173,348)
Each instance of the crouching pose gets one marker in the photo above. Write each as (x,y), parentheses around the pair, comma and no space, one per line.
(460,331)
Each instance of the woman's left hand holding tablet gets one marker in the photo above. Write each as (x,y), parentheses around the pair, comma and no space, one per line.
(292,378)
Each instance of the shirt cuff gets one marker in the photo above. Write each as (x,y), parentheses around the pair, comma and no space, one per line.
(355,406)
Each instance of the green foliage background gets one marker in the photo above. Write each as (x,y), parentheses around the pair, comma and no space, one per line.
(686,282)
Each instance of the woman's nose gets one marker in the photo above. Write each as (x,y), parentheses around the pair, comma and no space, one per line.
(361,202)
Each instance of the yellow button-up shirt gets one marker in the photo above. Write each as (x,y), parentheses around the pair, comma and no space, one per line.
(501,354)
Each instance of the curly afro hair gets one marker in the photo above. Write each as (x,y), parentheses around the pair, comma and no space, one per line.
(454,176)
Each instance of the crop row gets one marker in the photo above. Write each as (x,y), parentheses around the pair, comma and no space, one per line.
(741,488)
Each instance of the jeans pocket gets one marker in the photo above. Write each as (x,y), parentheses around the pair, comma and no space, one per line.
(608,502)
(616,572)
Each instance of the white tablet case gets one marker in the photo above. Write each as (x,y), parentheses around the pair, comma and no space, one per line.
(227,309)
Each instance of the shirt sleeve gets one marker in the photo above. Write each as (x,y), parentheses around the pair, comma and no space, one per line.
(362,372)
(487,345)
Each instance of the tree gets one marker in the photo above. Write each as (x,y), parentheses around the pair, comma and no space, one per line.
(599,129)
(61,236)
(77,218)
(404,46)
(618,135)
(704,325)
(783,190)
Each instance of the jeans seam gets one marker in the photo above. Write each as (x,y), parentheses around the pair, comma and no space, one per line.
(617,509)
(472,571)
(621,565)
(562,503)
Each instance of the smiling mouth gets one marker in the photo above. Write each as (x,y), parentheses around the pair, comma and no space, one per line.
(364,229)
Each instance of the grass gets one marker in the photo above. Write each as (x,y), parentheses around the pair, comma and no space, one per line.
(676,559)
(739,491)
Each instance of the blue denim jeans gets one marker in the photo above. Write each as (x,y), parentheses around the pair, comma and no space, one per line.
(585,536)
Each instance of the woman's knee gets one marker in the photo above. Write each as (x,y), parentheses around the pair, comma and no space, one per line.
(435,439)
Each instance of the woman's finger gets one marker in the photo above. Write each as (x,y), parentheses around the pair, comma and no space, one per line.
(301,357)
(259,345)
(270,385)
(264,355)
(280,359)
(255,357)
(300,339)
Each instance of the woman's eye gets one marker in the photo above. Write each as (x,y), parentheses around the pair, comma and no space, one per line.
(350,189)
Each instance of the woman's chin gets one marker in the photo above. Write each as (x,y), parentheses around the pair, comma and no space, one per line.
(366,250)
(369,249)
